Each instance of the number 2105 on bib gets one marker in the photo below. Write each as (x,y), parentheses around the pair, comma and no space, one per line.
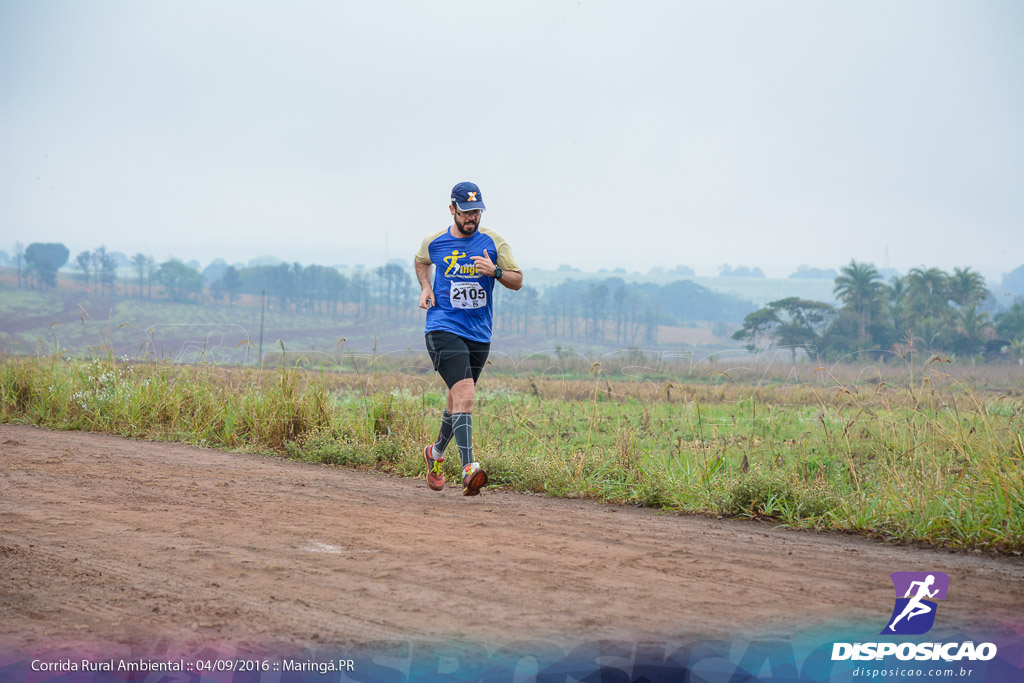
(468,295)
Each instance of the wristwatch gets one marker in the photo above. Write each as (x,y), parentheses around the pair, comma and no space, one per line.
(498,272)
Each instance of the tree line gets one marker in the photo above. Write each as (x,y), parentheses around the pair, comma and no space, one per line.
(927,309)
(612,310)
(605,311)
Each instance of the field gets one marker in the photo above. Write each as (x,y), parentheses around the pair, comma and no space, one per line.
(642,499)
(168,489)
(910,454)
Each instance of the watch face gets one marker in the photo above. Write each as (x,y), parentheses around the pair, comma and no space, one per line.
(498,272)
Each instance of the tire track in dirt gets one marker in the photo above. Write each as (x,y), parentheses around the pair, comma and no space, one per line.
(110,540)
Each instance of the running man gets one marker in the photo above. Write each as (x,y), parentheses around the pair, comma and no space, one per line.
(915,606)
(468,260)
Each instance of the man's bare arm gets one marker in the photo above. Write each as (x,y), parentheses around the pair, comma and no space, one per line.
(513,279)
(426,290)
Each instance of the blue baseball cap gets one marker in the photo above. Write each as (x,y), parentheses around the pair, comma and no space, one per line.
(467,197)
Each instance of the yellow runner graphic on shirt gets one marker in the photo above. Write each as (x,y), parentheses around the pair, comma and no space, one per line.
(467,269)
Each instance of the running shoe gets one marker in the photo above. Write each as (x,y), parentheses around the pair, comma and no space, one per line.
(435,474)
(473,479)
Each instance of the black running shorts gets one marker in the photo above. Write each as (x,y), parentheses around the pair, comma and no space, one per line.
(456,358)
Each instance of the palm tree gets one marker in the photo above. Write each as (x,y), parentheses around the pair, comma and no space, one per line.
(972,328)
(929,292)
(1017,346)
(966,286)
(897,294)
(859,288)
(1010,323)
(931,332)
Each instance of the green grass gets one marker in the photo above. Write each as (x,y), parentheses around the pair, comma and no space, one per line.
(922,458)
(16,302)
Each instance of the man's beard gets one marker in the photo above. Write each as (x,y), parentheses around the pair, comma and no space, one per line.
(461,227)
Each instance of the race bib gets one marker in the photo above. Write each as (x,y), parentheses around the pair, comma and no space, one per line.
(468,295)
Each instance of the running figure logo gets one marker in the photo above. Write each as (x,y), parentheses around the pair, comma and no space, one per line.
(914,612)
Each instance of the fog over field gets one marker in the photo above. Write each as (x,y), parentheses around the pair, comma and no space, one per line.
(603,134)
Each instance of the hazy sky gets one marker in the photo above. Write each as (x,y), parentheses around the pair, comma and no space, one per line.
(602,134)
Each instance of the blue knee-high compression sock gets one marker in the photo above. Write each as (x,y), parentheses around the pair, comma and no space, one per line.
(443,436)
(462,426)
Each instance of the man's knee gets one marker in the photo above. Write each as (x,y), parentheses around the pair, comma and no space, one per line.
(461,396)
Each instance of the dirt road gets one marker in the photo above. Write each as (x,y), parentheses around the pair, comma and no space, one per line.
(108,540)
